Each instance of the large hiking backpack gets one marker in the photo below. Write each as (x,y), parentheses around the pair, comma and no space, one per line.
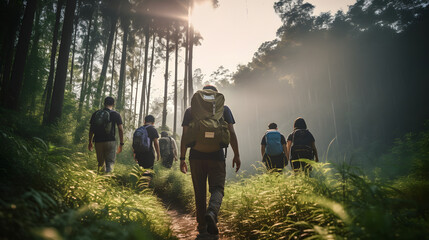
(165,146)
(141,141)
(208,131)
(101,122)
(300,151)
(273,145)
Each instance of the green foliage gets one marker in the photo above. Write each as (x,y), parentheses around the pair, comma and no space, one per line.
(174,186)
(51,191)
(331,204)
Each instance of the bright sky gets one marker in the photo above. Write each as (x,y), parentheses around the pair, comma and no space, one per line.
(234,31)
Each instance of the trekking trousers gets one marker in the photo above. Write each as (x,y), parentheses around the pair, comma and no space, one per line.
(106,154)
(215,172)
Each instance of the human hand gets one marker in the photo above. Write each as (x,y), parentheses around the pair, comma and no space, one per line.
(183,166)
(236,162)
(90,147)
(119,149)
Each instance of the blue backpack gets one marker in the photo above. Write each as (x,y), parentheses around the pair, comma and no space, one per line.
(274,146)
(141,141)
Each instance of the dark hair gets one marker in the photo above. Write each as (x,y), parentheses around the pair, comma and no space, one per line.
(109,101)
(164,134)
(211,87)
(149,118)
(299,124)
(272,126)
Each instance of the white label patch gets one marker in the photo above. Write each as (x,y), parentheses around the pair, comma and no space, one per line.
(209,135)
(208,97)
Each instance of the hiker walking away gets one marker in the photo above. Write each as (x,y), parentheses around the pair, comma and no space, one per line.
(301,146)
(102,132)
(145,139)
(273,149)
(208,127)
(168,149)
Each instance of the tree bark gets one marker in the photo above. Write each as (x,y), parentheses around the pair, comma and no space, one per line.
(89,88)
(86,60)
(48,89)
(113,63)
(106,61)
(185,79)
(137,87)
(176,63)
(76,20)
(14,8)
(146,50)
(122,73)
(164,109)
(191,52)
(60,76)
(150,74)
(15,85)
(31,73)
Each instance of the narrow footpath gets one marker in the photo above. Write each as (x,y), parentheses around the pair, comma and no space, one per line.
(184,225)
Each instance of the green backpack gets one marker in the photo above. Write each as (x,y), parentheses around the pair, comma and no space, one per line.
(208,131)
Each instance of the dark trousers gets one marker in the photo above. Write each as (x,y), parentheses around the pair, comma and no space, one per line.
(275,162)
(146,160)
(167,161)
(300,165)
(215,172)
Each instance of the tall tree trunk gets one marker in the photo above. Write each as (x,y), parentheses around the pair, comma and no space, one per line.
(113,63)
(60,76)
(122,73)
(150,74)
(89,88)
(31,82)
(76,20)
(137,87)
(176,63)
(167,58)
(14,10)
(15,85)
(191,52)
(185,79)
(146,50)
(86,60)
(101,83)
(48,89)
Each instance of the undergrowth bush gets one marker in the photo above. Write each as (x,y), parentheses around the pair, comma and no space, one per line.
(53,192)
(174,187)
(332,204)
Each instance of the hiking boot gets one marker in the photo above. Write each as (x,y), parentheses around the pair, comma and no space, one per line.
(211,223)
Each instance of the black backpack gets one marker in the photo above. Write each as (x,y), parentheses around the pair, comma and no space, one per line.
(141,141)
(101,122)
(301,151)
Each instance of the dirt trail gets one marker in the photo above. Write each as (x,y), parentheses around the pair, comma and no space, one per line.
(184,225)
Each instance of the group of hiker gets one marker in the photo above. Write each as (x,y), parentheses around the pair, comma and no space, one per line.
(208,130)
(299,147)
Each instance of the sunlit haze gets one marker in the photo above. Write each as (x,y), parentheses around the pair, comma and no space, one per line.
(233,32)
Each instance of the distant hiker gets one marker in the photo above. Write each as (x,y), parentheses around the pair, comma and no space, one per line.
(273,148)
(168,149)
(145,139)
(301,145)
(102,132)
(208,127)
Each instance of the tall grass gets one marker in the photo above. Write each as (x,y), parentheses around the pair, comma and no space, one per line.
(54,192)
(324,206)
(174,187)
